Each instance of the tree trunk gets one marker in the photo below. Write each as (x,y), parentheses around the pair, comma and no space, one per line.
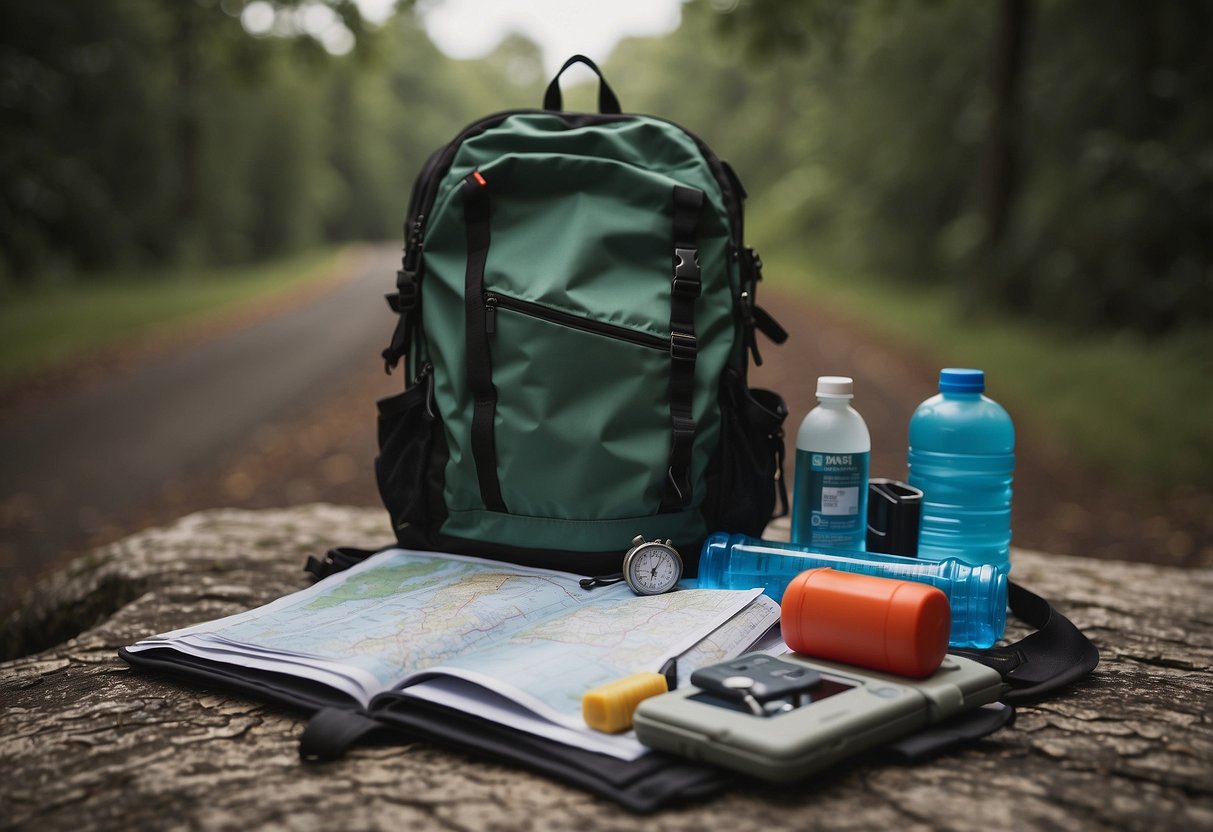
(999,173)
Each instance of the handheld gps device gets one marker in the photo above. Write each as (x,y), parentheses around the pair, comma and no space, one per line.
(784,718)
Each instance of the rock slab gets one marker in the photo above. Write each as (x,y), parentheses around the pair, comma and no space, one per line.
(88,743)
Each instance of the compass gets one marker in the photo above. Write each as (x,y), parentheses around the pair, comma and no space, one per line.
(651,568)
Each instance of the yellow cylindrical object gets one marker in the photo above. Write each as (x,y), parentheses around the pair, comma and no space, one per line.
(609,708)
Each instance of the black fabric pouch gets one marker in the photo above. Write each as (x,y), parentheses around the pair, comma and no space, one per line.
(745,480)
(412,451)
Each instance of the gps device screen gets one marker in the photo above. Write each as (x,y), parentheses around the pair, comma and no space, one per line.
(824,689)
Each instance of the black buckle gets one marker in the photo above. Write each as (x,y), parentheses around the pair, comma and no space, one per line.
(686,272)
(406,287)
(683,346)
(755,262)
(683,426)
(747,308)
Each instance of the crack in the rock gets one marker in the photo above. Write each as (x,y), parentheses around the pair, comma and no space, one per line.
(1160,661)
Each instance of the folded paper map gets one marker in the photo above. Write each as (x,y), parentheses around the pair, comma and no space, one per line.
(500,641)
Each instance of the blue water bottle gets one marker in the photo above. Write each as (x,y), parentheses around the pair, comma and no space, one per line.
(962,453)
(977,595)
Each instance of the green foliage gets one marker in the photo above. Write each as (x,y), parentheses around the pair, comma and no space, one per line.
(77,182)
(1136,408)
(1116,221)
(143,132)
(869,128)
(140,132)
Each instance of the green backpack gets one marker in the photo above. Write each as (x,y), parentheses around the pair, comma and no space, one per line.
(577,310)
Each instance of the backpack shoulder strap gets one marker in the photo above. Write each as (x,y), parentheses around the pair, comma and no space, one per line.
(1041,662)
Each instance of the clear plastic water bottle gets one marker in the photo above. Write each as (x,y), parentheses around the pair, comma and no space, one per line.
(962,454)
(830,501)
(977,595)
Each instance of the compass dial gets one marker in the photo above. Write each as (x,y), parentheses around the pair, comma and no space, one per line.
(652,568)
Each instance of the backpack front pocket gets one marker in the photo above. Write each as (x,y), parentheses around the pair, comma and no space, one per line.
(581,386)
(580,411)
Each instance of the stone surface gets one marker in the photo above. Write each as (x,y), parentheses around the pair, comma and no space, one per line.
(87,743)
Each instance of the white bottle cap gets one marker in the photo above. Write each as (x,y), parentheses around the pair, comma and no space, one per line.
(835,387)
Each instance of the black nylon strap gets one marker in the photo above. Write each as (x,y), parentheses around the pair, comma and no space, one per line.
(684,291)
(960,729)
(768,326)
(337,560)
(476,212)
(404,303)
(1040,663)
(331,732)
(608,102)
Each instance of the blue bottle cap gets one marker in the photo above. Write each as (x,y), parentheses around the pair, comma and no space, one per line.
(953,380)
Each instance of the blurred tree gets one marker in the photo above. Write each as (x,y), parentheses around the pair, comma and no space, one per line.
(137,131)
(81,138)
(999,177)
(748,109)
(1049,157)
(1114,224)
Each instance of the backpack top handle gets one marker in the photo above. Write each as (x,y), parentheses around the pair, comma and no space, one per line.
(607,102)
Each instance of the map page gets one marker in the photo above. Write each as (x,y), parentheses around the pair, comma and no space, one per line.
(533,636)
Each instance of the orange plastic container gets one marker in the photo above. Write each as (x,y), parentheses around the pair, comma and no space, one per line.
(896,626)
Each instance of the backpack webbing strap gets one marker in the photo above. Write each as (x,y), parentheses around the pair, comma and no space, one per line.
(405,300)
(1041,662)
(337,560)
(608,102)
(933,740)
(332,731)
(684,291)
(479,362)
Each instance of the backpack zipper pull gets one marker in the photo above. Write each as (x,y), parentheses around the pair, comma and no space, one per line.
(490,314)
(425,376)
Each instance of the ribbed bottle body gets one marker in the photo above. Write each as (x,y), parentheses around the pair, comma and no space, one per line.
(962,457)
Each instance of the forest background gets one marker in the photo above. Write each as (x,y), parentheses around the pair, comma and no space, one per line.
(1038,168)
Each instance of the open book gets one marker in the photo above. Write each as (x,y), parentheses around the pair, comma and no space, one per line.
(515,645)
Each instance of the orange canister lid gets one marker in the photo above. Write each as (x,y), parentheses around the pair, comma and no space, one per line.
(896,626)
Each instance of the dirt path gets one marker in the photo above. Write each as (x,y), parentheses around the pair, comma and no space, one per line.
(138,440)
(283,413)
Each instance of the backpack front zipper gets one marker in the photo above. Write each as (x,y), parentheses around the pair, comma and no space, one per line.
(493,301)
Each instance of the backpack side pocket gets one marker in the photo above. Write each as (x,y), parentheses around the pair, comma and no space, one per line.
(745,480)
(410,434)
